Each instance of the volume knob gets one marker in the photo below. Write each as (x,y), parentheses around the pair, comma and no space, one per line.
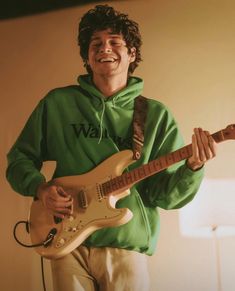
(60,242)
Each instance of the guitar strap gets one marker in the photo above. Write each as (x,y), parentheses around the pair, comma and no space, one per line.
(139,118)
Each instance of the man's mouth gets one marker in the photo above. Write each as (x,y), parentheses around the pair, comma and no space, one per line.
(107,60)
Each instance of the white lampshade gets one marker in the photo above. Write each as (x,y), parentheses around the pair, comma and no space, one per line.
(212,207)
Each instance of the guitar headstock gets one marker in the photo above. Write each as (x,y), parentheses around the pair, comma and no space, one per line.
(229,132)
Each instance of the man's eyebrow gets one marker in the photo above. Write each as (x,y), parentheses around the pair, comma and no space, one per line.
(111,35)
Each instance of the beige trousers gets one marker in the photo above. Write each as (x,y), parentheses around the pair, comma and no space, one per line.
(103,269)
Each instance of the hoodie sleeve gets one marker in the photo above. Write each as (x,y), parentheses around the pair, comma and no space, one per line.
(177,185)
(26,156)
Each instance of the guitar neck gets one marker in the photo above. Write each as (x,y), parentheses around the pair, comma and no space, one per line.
(127,179)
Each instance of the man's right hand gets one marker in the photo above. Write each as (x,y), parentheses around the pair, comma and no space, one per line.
(55,199)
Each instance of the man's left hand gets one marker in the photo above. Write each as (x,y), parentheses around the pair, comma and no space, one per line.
(204,149)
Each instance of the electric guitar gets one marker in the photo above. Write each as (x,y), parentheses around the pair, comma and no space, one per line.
(94,197)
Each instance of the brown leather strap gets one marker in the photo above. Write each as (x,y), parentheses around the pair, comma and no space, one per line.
(139,118)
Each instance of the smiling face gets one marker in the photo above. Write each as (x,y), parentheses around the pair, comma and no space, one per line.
(108,55)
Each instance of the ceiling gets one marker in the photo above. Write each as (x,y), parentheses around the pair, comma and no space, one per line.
(18,8)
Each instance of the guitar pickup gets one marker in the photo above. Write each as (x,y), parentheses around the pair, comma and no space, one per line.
(82,199)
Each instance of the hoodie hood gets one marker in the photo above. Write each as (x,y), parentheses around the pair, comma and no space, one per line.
(124,98)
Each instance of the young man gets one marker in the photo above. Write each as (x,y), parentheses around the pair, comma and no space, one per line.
(82,125)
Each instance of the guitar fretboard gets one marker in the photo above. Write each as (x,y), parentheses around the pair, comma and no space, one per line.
(127,179)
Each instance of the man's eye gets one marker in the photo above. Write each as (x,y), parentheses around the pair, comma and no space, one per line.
(95,44)
(116,43)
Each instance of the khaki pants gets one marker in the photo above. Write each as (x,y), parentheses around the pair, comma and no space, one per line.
(103,269)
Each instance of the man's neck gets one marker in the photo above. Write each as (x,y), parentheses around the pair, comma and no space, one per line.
(109,86)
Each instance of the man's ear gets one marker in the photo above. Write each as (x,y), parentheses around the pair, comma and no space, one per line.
(132,54)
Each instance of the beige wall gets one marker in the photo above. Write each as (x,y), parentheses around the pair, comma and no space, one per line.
(189,64)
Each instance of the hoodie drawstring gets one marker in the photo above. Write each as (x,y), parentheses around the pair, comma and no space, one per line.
(101,120)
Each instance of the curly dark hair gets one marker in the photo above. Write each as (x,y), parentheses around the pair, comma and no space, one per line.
(106,17)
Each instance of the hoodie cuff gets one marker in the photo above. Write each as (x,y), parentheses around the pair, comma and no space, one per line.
(199,173)
(35,184)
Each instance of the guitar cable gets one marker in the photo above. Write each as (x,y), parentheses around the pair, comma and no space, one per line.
(43,274)
(45,243)
(27,229)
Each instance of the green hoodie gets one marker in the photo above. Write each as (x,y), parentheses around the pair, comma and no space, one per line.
(78,128)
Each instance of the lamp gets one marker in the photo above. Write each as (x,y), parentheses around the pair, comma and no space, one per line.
(211,214)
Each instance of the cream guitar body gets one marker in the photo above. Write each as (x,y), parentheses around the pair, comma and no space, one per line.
(94,198)
(91,209)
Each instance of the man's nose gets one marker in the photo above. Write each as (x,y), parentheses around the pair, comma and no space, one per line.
(105,48)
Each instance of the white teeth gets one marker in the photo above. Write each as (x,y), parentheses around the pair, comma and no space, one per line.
(107,60)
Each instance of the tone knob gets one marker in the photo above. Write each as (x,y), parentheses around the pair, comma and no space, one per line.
(71,218)
(60,242)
